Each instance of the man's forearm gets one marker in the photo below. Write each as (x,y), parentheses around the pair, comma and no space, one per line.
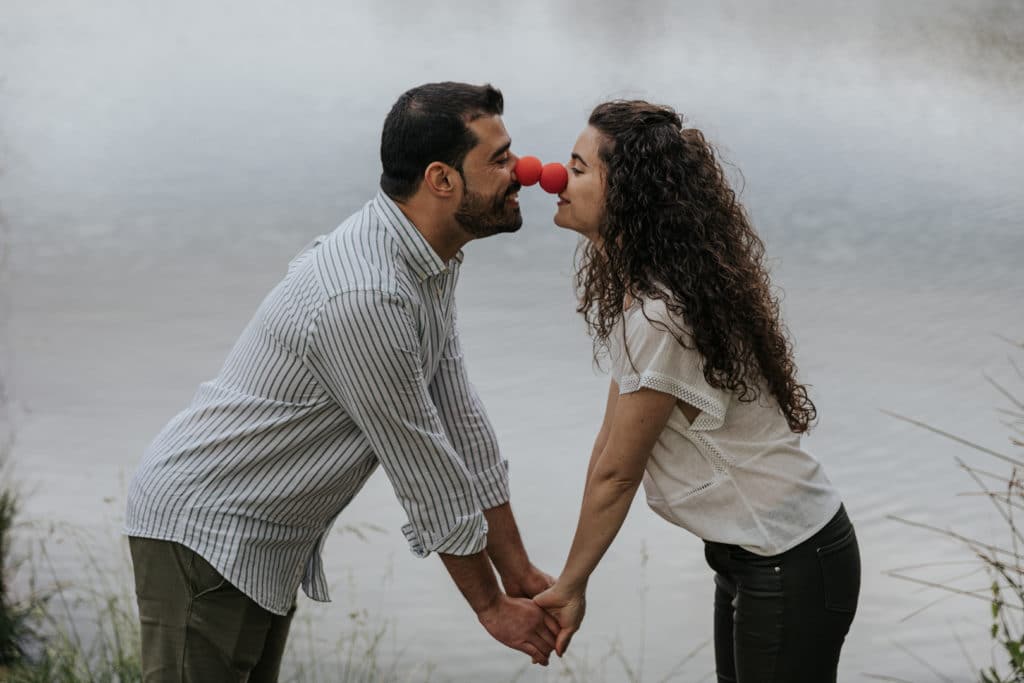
(504,544)
(475,579)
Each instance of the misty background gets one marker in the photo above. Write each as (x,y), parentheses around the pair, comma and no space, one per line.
(160,164)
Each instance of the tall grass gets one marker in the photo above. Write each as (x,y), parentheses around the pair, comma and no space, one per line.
(77,632)
(18,634)
(1001,559)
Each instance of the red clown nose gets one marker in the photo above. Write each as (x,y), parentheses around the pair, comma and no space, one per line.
(554,178)
(528,170)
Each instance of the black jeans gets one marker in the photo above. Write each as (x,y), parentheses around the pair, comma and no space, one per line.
(783,619)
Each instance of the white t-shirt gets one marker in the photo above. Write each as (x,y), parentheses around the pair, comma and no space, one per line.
(737,474)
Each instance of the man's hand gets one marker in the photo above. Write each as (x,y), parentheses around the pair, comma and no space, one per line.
(527,583)
(568,608)
(521,625)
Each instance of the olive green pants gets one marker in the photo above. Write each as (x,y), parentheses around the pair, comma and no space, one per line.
(197,627)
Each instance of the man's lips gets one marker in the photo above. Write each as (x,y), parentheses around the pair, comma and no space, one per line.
(512,196)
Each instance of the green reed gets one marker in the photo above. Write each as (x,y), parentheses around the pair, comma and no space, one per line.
(1001,559)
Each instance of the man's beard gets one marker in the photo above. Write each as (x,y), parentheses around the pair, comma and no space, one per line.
(481,216)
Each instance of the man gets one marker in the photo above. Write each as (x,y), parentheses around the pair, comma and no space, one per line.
(352,360)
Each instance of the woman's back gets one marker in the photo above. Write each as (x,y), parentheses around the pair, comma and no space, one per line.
(737,474)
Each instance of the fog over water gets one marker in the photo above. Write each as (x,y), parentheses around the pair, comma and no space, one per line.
(162,163)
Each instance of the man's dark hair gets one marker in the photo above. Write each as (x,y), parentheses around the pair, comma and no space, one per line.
(428,124)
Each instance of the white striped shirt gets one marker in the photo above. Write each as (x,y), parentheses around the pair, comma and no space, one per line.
(353,359)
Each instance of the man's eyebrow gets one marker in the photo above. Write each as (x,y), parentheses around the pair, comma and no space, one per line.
(501,150)
(578,158)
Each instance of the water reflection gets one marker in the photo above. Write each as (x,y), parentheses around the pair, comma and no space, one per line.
(163,163)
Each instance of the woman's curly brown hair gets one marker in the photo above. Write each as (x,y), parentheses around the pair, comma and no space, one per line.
(674,230)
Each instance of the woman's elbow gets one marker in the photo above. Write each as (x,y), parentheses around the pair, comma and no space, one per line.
(619,480)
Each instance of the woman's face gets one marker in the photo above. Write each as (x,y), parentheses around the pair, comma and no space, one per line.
(581,204)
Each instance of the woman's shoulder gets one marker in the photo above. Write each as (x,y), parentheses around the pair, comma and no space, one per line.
(651,313)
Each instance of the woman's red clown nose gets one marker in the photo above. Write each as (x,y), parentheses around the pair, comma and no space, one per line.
(553,177)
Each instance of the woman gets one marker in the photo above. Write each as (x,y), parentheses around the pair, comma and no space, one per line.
(704,407)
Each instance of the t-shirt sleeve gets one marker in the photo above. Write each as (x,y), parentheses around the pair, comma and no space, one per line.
(648,355)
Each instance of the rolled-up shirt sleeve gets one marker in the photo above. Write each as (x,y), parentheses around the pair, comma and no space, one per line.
(468,427)
(364,349)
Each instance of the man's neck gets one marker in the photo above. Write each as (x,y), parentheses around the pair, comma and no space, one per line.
(443,236)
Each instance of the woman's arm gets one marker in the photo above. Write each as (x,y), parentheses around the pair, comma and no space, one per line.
(606,428)
(639,418)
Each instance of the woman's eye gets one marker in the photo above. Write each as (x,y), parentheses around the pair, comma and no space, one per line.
(575,171)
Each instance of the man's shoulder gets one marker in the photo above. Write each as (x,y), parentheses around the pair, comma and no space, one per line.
(361,255)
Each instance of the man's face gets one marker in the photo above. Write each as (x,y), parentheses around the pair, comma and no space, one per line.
(490,201)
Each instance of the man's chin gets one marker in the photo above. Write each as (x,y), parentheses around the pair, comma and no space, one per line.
(512,222)
(514,225)
(505,229)
(516,222)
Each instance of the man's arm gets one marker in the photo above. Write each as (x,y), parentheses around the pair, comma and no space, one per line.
(470,431)
(505,548)
(515,622)
(365,351)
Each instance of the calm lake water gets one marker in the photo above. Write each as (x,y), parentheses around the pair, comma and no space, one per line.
(162,163)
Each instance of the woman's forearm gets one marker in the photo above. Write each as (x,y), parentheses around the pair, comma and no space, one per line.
(606,502)
(602,439)
(615,474)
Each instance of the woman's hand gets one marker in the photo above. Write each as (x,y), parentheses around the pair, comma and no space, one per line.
(568,608)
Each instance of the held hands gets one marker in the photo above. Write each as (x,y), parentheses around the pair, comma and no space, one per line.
(521,625)
(563,609)
(568,607)
(527,583)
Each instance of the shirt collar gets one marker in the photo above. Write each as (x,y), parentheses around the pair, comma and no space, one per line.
(417,252)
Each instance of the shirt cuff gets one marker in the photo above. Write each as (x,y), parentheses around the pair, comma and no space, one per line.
(467,536)
(491,485)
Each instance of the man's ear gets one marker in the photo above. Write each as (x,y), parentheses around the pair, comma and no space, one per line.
(441,179)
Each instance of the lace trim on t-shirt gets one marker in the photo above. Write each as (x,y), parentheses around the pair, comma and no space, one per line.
(712,411)
(656,501)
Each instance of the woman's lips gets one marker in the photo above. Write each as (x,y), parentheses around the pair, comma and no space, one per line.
(562,201)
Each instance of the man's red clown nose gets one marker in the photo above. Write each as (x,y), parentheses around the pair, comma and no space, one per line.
(553,177)
(528,170)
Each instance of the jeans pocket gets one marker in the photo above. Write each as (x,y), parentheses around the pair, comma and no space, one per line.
(202,577)
(757,574)
(839,562)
